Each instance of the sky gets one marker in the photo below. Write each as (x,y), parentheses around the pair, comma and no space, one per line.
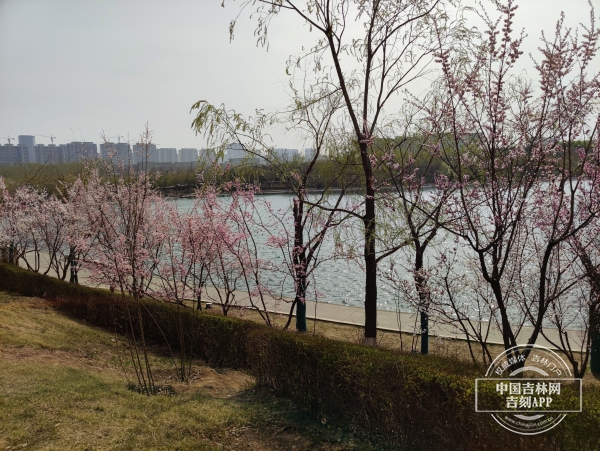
(76,69)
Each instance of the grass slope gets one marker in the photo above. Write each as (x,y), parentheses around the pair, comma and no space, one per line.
(63,386)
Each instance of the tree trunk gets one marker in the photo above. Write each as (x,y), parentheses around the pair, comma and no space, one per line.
(595,342)
(424,333)
(301,313)
(369,252)
(371,272)
(423,293)
(299,259)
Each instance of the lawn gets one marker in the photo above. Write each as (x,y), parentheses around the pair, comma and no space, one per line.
(63,385)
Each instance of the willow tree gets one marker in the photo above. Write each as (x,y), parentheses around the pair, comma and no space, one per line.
(299,232)
(368,51)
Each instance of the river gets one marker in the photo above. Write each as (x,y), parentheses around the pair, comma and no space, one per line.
(339,281)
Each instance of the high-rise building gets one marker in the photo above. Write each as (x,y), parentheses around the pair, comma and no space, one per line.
(235,154)
(11,154)
(188,155)
(52,154)
(145,153)
(204,155)
(167,155)
(234,151)
(286,154)
(28,141)
(309,154)
(76,151)
(118,152)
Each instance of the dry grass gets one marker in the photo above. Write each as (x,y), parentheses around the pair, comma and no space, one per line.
(63,387)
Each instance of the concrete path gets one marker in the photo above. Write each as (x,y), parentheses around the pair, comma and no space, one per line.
(386,320)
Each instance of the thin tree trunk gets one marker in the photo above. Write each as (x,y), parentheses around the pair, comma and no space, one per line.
(371,271)
(301,306)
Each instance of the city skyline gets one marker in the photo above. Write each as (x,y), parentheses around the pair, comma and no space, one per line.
(85,68)
(26,150)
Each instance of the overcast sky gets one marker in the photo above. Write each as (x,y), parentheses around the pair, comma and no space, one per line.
(73,68)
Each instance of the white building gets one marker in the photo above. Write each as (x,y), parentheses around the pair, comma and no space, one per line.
(11,154)
(52,154)
(76,151)
(188,155)
(167,155)
(205,155)
(236,154)
(235,151)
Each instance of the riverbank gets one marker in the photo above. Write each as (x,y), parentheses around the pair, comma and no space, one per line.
(388,322)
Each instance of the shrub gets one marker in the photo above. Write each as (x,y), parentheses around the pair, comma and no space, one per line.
(408,401)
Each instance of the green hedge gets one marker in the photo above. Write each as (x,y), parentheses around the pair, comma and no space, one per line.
(409,401)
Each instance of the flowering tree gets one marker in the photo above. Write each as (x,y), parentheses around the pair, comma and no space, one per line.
(38,231)
(227,270)
(59,226)
(413,201)
(184,260)
(4,236)
(572,276)
(22,212)
(585,311)
(237,268)
(186,254)
(123,217)
(512,152)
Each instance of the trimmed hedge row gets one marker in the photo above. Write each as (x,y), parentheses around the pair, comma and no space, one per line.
(409,401)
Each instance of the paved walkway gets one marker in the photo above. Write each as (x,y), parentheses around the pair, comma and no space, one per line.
(386,320)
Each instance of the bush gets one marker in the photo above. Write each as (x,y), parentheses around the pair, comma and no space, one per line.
(408,401)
